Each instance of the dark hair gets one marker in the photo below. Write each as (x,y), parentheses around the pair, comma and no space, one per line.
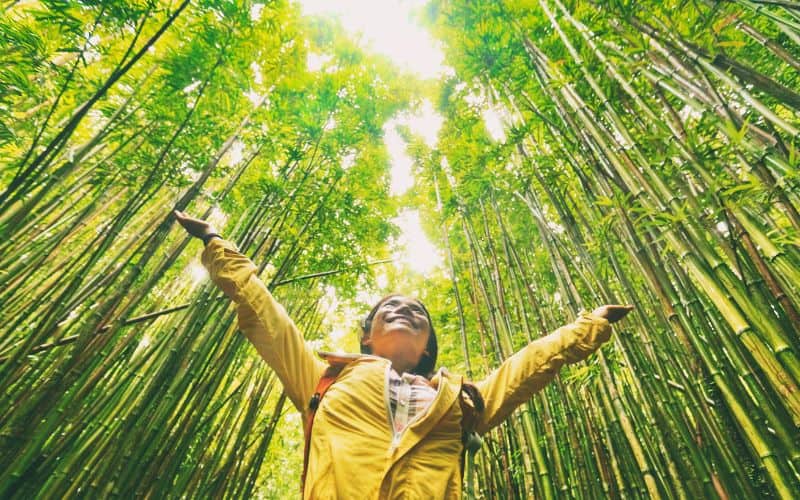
(427,364)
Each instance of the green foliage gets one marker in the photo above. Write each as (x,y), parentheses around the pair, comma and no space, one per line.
(221,116)
(623,153)
(649,156)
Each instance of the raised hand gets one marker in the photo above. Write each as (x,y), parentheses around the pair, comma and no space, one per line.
(613,313)
(195,227)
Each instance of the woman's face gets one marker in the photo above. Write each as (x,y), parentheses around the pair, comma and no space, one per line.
(399,332)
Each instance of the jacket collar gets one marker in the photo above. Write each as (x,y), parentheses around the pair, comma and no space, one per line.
(343,358)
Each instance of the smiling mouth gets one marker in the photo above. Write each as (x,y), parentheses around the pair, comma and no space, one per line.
(401,318)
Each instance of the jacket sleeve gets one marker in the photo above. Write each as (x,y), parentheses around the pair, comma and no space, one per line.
(264,321)
(534,366)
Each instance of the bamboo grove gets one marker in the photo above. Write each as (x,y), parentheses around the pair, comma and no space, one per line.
(648,155)
(121,376)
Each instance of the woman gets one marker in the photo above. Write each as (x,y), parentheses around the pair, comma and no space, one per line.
(389,427)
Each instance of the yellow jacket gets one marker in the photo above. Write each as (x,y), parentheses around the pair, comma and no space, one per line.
(352,452)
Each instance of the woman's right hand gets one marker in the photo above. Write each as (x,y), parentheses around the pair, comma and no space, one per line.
(613,313)
(195,227)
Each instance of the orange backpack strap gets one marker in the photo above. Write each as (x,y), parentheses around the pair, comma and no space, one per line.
(327,379)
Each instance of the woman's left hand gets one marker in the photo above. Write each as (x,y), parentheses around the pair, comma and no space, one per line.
(613,313)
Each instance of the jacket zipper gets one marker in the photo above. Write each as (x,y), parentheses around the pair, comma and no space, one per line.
(386,400)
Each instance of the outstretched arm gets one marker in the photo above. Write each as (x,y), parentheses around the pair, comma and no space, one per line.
(261,318)
(534,366)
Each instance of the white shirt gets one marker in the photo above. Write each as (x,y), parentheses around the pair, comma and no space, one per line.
(409,396)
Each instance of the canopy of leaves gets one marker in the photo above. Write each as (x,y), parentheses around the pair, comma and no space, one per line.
(591,152)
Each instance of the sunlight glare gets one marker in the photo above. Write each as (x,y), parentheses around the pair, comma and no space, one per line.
(387,28)
(402,177)
(414,249)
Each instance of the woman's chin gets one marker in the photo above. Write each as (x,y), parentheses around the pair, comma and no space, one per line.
(400,329)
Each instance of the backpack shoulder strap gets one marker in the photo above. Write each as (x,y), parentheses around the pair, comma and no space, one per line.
(471,409)
(327,379)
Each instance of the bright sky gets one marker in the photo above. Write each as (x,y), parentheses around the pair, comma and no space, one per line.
(425,123)
(388,27)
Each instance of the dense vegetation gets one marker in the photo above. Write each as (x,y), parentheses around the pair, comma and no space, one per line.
(648,155)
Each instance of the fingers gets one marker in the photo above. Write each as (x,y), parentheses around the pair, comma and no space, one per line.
(613,312)
(187,222)
(195,227)
(617,312)
(181,217)
(619,307)
(186,217)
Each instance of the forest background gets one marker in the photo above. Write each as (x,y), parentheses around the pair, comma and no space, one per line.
(589,152)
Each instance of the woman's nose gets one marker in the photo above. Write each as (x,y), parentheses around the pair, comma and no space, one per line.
(402,308)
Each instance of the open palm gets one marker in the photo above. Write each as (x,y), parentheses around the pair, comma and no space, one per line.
(195,227)
(613,312)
